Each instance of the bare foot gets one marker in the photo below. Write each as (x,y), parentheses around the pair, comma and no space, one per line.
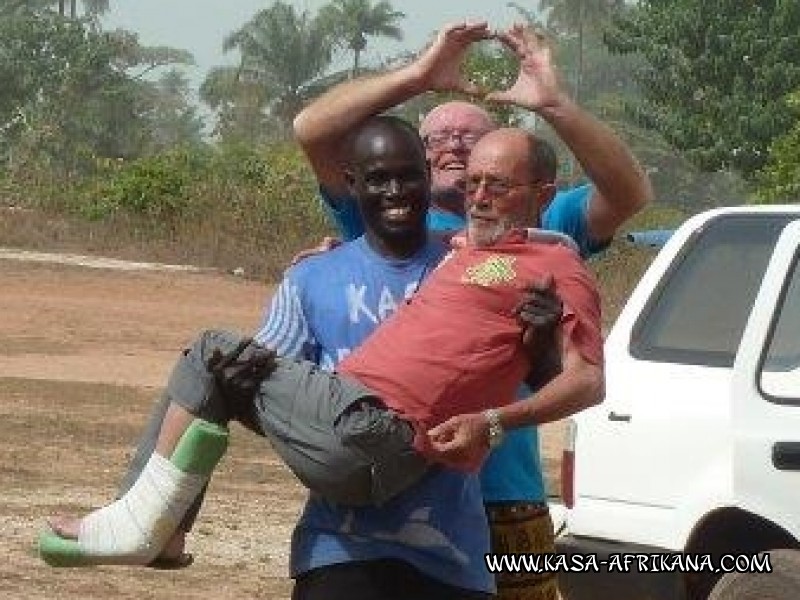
(173,556)
(65,527)
(174,548)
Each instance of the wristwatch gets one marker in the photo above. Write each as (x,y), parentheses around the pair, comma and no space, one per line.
(496,431)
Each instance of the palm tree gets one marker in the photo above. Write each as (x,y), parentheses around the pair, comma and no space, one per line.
(281,51)
(352,21)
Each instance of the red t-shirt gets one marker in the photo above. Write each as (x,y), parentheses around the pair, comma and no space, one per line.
(457,346)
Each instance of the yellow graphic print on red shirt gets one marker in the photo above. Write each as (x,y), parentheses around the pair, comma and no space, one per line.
(494,270)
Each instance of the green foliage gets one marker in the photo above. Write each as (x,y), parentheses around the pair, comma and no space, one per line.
(351,22)
(68,100)
(164,187)
(244,164)
(715,75)
(53,71)
(235,206)
(130,55)
(281,51)
(172,119)
(493,67)
(285,57)
(177,185)
(527,15)
(153,187)
(576,26)
(779,181)
(568,17)
(241,108)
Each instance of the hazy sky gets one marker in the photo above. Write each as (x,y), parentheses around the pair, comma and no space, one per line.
(199,26)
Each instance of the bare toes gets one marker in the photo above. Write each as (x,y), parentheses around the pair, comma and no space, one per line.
(65,527)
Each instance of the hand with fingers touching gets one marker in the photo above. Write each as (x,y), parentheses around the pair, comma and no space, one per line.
(537,86)
(460,440)
(539,312)
(440,65)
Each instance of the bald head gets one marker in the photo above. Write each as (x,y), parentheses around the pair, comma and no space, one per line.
(509,182)
(520,151)
(378,131)
(507,148)
(456,115)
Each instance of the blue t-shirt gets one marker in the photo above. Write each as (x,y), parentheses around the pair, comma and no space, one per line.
(444,222)
(326,306)
(512,472)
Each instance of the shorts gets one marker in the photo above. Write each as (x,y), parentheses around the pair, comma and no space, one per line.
(334,434)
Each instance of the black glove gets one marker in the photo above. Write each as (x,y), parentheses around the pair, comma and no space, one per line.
(239,373)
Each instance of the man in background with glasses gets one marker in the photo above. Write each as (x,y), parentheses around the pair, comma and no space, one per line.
(512,479)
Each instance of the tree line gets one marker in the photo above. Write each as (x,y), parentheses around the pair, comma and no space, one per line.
(704,86)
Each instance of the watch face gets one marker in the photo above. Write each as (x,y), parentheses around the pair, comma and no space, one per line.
(495,436)
(495,432)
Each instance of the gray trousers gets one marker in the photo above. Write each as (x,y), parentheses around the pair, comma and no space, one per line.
(333,433)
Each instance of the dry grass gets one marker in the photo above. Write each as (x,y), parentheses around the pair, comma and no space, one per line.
(618,271)
(213,243)
(65,446)
(207,244)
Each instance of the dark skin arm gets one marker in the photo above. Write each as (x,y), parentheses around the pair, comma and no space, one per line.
(539,313)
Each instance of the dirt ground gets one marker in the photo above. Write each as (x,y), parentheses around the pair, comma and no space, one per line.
(82,355)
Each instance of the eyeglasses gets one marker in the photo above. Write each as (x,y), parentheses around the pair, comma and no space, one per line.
(494,187)
(439,139)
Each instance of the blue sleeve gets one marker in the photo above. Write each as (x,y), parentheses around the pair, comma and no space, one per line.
(567,213)
(443,222)
(284,326)
(343,211)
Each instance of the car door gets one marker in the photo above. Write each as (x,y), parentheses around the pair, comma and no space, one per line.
(766,417)
(657,454)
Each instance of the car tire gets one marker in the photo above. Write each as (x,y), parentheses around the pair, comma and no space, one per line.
(783,583)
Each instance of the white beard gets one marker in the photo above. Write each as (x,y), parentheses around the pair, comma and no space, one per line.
(486,235)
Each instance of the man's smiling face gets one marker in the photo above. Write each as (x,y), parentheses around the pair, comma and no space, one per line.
(450,131)
(389,179)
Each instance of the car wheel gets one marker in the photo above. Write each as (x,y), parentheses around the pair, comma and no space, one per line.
(782,584)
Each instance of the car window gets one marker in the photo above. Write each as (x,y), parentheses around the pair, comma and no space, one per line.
(780,371)
(698,313)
